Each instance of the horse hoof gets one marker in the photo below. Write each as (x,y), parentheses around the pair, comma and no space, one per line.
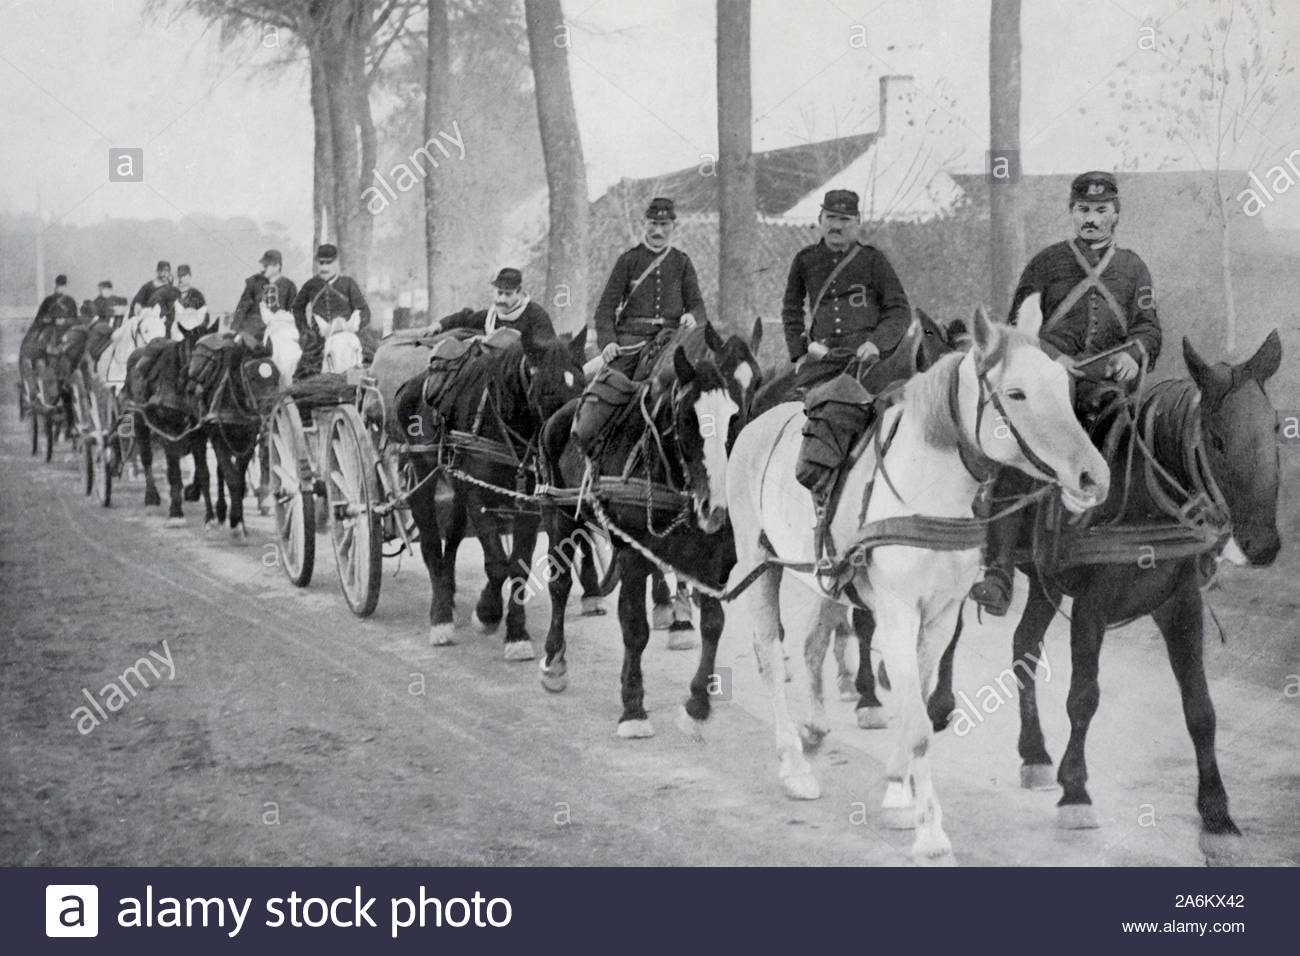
(661,617)
(812,737)
(1224,849)
(593,607)
(872,718)
(682,640)
(238,534)
(442,635)
(174,522)
(636,729)
(209,524)
(1037,776)
(692,728)
(801,786)
(898,818)
(1076,816)
(485,627)
(848,691)
(553,677)
(937,855)
(264,508)
(519,651)
(152,499)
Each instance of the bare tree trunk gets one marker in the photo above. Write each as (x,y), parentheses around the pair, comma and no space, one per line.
(364,229)
(322,154)
(1225,265)
(1007,238)
(737,199)
(437,85)
(566,175)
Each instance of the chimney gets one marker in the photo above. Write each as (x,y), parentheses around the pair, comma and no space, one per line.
(897,95)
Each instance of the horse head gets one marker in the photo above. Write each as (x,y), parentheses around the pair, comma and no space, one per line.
(1239,425)
(553,367)
(342,344)
(738,362)
(147,325)
(281,334)
(1023,415)
(703,406)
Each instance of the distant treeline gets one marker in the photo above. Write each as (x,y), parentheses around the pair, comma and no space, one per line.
(222,252)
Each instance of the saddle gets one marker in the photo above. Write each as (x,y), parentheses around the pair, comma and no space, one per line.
(600,406)
(98,338)
(446,362)
(156,376)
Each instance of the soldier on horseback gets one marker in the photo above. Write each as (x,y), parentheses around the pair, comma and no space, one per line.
(268,288)
(858,313)
(110,307)
(511,309)
(190,320)
(324,297)
(652,288)
(1094,297)
(56,313)
(157,291)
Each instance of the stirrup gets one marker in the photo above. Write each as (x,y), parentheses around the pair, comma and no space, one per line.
(993,592)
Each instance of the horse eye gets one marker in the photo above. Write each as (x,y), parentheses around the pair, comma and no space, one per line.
(1217,441)
(1016,394)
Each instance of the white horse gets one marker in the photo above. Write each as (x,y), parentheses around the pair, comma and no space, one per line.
(1002,403)
(282,335)
(135,332)
(342,345)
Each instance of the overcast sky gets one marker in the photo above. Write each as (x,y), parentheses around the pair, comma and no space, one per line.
(224,135)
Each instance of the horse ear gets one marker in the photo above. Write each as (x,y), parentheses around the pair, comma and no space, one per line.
(578,347)
(711,338)
(756,336)
(682,366)
(984,333)
(1266,360)
(1196,366)
(1029,316)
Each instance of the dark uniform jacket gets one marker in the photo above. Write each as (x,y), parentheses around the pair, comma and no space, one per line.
(151,294)
(866,301)
(532,324)
(104,306)
(56,313)
(330,299)
(56,307)
(258,289)
(662,298)
(1091,326)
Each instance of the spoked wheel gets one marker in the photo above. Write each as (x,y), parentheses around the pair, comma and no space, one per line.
(88,435)
(295,511)
(96,451)
(352,491)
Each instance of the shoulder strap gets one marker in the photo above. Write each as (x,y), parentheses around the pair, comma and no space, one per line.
(1091,279)
(821,293)
(654,264)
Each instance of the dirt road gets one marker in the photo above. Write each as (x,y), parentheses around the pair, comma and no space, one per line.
(292,733)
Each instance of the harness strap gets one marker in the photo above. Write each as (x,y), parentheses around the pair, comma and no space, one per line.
(821,293)
(1091,279)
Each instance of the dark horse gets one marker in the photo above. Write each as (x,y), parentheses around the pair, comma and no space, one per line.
(232,422)
(695,403)
(503,395)
(166,413)
(1224,410)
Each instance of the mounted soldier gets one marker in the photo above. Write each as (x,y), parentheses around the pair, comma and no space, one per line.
(157,291)
(511,308)
(652,288)
(266,288)
(190,320)
(1094,298)
(56,313)
(326,296)
(110,307)
(857,313)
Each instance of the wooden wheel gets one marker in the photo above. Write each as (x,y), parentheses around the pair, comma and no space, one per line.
(295,512)
(101,477)
(352,490)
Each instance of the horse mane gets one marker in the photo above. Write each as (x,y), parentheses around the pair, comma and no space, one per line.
(1177,425)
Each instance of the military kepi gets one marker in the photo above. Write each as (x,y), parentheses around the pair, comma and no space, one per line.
(661,210)
(182,271)
(271,256)
(508,280)
(844,202)
(327,252)
(1095,186)
(163,266)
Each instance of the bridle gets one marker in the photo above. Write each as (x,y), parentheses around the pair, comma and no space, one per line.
(977,462)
